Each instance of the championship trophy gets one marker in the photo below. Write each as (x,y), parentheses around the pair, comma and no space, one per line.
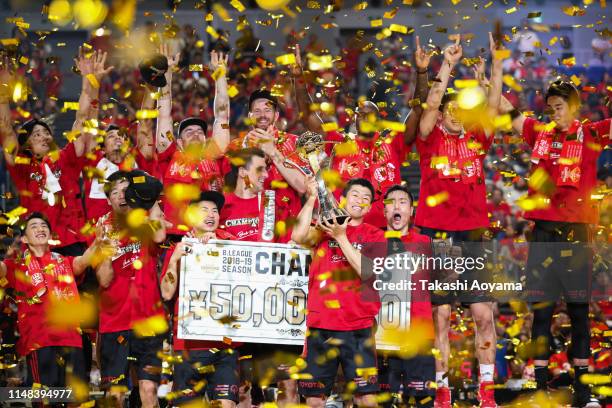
(310,148)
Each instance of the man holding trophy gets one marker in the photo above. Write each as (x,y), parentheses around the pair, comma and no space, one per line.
(339,321)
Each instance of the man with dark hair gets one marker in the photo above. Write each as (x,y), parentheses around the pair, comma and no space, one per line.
(45,288)
(563,177)
(193,161)
(452,205)
(130,307)
(415,374)
(339,321)
(222,383)
(250,212)
(378,153)
(47,178)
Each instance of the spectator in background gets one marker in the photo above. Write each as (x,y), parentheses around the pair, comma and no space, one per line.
(527,41)
(500,213)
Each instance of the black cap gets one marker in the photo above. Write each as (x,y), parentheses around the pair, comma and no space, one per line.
(192,121)
(262,94)
(36,215)
(143,190)
(212,196)
(27,128)
(153,70)
(117,176)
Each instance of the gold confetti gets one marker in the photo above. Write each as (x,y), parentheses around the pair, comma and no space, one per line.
(232,91)
(212,32)
(398,28)
(511,10)
(332,304)
(437,199)
(237,5)
(286,59)
(146,114)
(151,326)
(196,67)
(376,23)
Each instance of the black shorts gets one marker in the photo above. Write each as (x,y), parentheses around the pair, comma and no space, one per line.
(414,377)
(462,239)
(559,263)
(119,349)
(214,374)
(355,350)
(265,364)
(44,369)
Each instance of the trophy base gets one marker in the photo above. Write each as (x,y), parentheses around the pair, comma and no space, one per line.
(338,219)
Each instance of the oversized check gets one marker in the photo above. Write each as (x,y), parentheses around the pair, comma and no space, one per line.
(246,291)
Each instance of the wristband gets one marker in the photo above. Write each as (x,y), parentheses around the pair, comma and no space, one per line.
(422,72)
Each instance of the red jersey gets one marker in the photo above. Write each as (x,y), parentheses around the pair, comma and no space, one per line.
(133,293)
(379,160)
(246,218)
(288,200)
(97,168)
(181,344)
(569,203)
(420,305)
(334,288)
(175,167)
(452,174)
(51,186)
(38,284)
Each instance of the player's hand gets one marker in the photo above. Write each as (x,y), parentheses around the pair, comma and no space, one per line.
(453,53)
(334,230)
(421,57)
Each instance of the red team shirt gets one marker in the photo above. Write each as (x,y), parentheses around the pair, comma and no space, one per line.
(30,178)
(174,167)
(334,301)
(466,206)
(378,160)
(569,203)
(26,277)
(133,294)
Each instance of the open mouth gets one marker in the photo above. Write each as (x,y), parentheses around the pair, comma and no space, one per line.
(123,204)
(209,223)
(41,235)
(397,217)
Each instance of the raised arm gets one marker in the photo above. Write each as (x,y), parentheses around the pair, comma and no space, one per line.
(452,54)
(421,59)
(496,75)
(221,129)
(10,144)
(144,134)
(163,137)
(156,215)
(92,72)
(302,230)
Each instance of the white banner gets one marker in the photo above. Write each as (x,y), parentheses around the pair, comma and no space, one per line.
(247,291)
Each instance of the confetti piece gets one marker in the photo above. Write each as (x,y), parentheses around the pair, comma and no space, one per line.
(511,82)
(237,5)
(9,41)
(393,234)
(437,199)
(219,72)
(511,10)
(332,304)
(376,23)
(70,106)
(151,326)
(501,54)
(212,32)
(397,28)
(573,11)
(329,126)
(232,91)
(534,14)
(286,59)
(146,114)
(196,67)
(569,62)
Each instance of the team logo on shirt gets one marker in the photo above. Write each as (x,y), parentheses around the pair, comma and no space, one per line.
(252,221)
(350,168)
(385,173)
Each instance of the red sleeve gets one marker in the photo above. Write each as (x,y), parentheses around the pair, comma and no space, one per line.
(333,136)
(529,133)
(19,175)
(426,148)
(601,132)
(163,159)
(148,165)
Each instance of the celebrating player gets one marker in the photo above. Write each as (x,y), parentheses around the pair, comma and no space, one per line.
(339,321)
(452,204)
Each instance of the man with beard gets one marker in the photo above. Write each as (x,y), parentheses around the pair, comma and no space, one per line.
(378,155)
(222,383)
(564,159)
(416,374)
(130,308)
(452,204)
(47,178)
(340,316)
(193,160)
(285,183)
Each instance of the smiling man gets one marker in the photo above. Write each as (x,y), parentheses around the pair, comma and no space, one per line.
(45,287)
(339,321)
